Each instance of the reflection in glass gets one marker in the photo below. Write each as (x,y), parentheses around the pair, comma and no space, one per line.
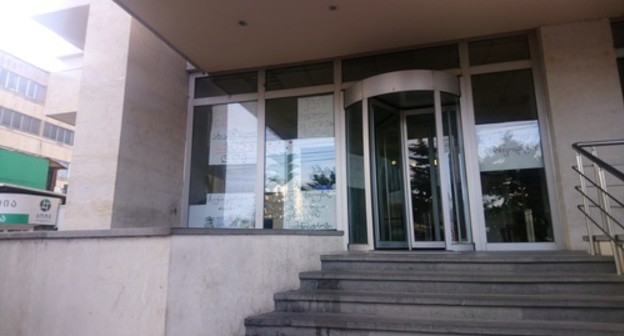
(388,186)
(300,173)
(227,84)
(434,58)
(223,166)
(497,50)
(355,175)
(424,178)
(515,197)
(456,170)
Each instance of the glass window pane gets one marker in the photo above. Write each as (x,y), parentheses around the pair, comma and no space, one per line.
(6,117)
(355,175)
(47,130)
(16,121)
(23,86)
(617,28)
(226,85)
(434,58)
(32,90)
(504,49)
(299,76)
(25,126)
(513,182)
(223,166)
(35,126)
(4,74)
(41,93)
(300,163)
(13,81)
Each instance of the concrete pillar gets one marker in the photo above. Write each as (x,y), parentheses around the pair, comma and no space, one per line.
(585,103)
(128,157)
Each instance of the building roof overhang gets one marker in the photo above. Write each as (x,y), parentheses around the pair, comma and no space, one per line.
(238,34)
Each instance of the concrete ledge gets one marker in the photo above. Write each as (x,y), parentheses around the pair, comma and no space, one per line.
(252,232)
(162,231)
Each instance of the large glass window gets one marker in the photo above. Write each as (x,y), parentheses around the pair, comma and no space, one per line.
(299,76)
(223,166)
(433,58)
(58,133)
(226,85)
(355,175)
(504,49)
(22,85)
(19,121)
(511,163)
(300,163)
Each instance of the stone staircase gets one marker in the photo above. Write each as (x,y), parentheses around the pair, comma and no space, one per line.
(447,293)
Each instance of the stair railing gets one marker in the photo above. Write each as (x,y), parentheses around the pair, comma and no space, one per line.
(603,201)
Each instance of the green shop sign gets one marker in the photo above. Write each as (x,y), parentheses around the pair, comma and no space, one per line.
(13,218)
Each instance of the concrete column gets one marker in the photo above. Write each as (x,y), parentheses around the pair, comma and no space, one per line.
(585,101)
(130,127)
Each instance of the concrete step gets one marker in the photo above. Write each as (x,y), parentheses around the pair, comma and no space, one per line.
(315,324)
(465,283)
(457,262)
(452,306)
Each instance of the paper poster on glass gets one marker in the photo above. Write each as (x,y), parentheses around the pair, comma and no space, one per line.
(227,211)
(233,135)
(315,117)
(509,146)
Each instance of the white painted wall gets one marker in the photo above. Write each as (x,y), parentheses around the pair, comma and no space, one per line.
(585,101)
(217,281)
(78,287)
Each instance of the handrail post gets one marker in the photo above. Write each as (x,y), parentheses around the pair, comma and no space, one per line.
(606,220)
(586,208)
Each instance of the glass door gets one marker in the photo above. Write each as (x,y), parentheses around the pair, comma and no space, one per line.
(388,186)
(422,172)
(417,181)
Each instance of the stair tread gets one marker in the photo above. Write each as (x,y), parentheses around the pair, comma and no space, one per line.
(371,322)
(514,300)
(463,277)
(472,257)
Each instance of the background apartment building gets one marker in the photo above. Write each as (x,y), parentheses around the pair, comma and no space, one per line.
(24,126)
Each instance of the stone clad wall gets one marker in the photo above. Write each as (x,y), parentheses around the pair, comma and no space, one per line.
(92,283)
(585,101)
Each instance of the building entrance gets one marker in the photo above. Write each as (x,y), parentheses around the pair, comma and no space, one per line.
(415,160)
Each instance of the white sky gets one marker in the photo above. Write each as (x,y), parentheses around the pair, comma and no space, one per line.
(24,38)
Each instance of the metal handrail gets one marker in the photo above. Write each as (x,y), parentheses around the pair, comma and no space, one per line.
(604,198)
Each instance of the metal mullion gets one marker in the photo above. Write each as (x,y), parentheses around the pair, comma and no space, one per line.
(304,91)
(188,149)
(471,156)
(409,225)
(443,173)
(368,184)
(579,162)
(546,143)
(340,127)
(260,150)
(225,99)
(498,67)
